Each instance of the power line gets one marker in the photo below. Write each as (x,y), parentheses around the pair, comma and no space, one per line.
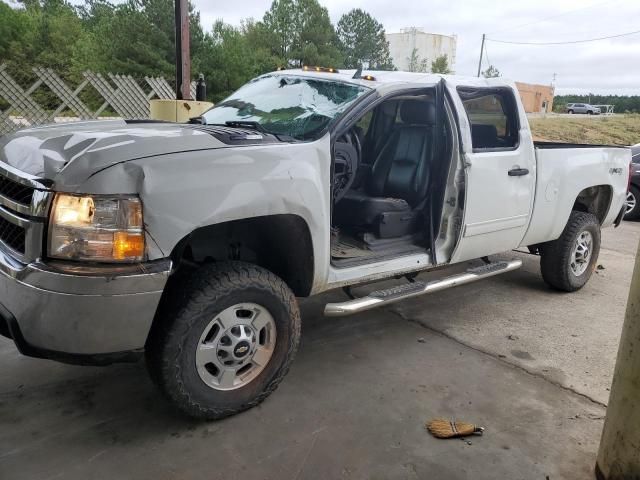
(563,43)
(549,18)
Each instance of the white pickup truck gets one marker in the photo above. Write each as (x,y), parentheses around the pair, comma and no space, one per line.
(189,243)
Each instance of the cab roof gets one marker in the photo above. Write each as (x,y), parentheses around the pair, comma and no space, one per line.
(382,79)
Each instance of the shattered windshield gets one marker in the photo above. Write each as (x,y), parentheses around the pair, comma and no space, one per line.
(299,107)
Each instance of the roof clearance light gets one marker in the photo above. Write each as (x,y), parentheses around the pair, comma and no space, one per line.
(369,77)
(306,68)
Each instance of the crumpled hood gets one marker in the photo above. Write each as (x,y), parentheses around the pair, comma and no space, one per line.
(84,148)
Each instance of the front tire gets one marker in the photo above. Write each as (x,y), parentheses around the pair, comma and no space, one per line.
(226,341)
(570,112)
(568,262)
(633,204)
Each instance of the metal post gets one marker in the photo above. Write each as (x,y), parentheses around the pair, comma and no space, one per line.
(619,452)
(201,89)
(183,54)
(481,52)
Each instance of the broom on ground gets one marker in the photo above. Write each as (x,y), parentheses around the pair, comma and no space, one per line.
(441,428)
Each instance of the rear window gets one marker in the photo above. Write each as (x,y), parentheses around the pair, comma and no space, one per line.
(493,116)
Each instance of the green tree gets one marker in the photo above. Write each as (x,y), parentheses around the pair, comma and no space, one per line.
(48,31)
(13,27)
(417,64)
(300,32)
(141,38)
(441,65)
(259,39)
(363,42)
(491,72)
(233,58)
(136,45)
(278,27)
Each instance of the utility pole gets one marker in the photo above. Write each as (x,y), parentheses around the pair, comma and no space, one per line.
(481,52)
(183,53)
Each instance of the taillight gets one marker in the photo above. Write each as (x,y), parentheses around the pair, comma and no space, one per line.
(629,179)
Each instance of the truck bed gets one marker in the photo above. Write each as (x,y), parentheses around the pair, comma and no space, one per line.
(552,145)
(563,171)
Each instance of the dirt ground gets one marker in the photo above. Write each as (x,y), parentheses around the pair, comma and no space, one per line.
(532,365)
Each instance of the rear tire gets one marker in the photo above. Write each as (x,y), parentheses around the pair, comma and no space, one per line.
(633,203)
(568,262)
(225,341)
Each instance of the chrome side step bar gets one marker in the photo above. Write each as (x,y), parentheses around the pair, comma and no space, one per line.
(408,290)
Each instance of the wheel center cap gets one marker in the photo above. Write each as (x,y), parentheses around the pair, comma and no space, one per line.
(241,349)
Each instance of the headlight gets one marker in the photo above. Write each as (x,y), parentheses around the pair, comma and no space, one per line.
(96,228)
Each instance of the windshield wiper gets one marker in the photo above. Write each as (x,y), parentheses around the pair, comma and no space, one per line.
(246,123)
(256,126)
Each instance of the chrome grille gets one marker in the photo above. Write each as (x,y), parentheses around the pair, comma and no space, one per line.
(15,191)
(13,236)
(24,203)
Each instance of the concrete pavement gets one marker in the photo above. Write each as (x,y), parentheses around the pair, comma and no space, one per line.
(531,365)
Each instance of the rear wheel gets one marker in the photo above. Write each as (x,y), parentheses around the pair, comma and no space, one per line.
(568,262)
(632,211)
(226,342)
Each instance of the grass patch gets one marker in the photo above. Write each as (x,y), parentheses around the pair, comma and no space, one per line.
(614,130)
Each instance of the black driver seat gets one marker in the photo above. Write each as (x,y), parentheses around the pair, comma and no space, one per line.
(399,177)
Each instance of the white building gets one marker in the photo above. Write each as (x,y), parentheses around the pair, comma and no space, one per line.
(429,46)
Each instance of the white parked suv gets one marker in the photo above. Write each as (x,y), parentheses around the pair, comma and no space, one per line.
(189,243)
(583,108)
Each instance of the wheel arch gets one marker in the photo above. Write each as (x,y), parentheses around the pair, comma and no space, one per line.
(280,243)
(596,200)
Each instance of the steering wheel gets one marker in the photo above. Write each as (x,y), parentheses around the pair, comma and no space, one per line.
(347,152)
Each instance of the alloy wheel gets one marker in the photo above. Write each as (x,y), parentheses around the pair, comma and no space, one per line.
(630,202)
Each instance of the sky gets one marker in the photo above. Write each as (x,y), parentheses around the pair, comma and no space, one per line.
(601,67)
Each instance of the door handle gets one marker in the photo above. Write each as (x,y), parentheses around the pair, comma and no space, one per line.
(518,172)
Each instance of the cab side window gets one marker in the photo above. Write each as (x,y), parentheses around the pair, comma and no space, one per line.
(493,116)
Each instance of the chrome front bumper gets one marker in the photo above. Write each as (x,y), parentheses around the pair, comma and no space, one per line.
(62,311)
